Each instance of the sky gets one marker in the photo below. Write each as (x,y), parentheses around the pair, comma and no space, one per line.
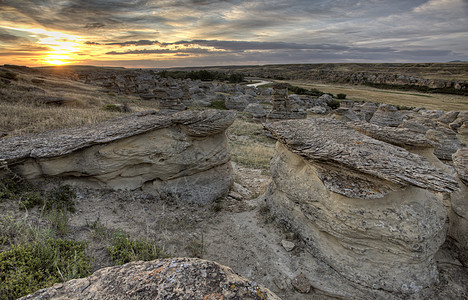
(179,33)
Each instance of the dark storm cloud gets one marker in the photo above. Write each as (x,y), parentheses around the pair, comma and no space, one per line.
(135,43)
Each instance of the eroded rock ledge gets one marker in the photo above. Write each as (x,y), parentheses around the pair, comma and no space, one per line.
(183,155)
(179,278)
(368,209)
(355,165)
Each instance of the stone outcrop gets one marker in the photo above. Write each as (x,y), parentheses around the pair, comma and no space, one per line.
(365,111)
(283,106)
(458,215)
(446,142)
(236,103)
(177,278)
(256,110)
(387,115)
(184,155)
(364,207)
(401,137)
(344,114)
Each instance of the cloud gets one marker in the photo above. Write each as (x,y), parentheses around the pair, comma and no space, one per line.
(241,31)
(135,43)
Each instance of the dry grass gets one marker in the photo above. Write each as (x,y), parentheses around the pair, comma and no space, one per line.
(23,119)
(21,110)
(249,147)
(411,99)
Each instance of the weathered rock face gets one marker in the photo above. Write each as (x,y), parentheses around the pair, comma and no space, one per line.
(256,110)
(387,115)
(458,216)
(236,103)
(283,106)
(446,142)
(364,207)
(179,278)
(401,137)
(344,114)
(365,111)
(182,155)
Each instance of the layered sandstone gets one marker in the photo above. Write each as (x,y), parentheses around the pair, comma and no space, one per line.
(366,208)
(184,155)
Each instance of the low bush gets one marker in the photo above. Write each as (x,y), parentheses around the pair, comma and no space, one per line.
(334,104)
(341,96)
(27,268)
(217,104)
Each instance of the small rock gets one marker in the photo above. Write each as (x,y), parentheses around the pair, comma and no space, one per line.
(301,284)
(241,190)
(287,245)
(235,195)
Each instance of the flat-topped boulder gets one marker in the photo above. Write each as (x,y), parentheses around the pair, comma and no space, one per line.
(368,209)
(175,278)
(332,143)
(184,155)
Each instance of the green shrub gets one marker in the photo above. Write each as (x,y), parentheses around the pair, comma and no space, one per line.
(334,104)
(29,199)
(9,188)
(61,198)
(27,268)
(217,104)
(111,107)
(124,249)
(341,96)
(236,78)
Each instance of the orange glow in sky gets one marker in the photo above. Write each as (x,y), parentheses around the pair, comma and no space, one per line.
(63,48)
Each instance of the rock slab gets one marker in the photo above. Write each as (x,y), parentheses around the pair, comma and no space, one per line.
(179,278)
(184,155)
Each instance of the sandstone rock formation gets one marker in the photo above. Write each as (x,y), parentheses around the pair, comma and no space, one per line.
(256,110)
(387,115)
(364,207)
(283,106)
(458,215)
(177,278)
(446,142)
(365,111)
(344,114)
(236,103)
(402,137)
(183,155)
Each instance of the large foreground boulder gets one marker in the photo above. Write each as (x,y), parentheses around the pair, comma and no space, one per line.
(366,208)
(184,155)
(178,278)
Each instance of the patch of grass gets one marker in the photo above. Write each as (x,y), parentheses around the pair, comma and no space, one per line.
(217,104)
(29,267)
(59,220)
(61,198)
(197,247)
(124,249)
(9,188)
(9,75)
(252,155)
